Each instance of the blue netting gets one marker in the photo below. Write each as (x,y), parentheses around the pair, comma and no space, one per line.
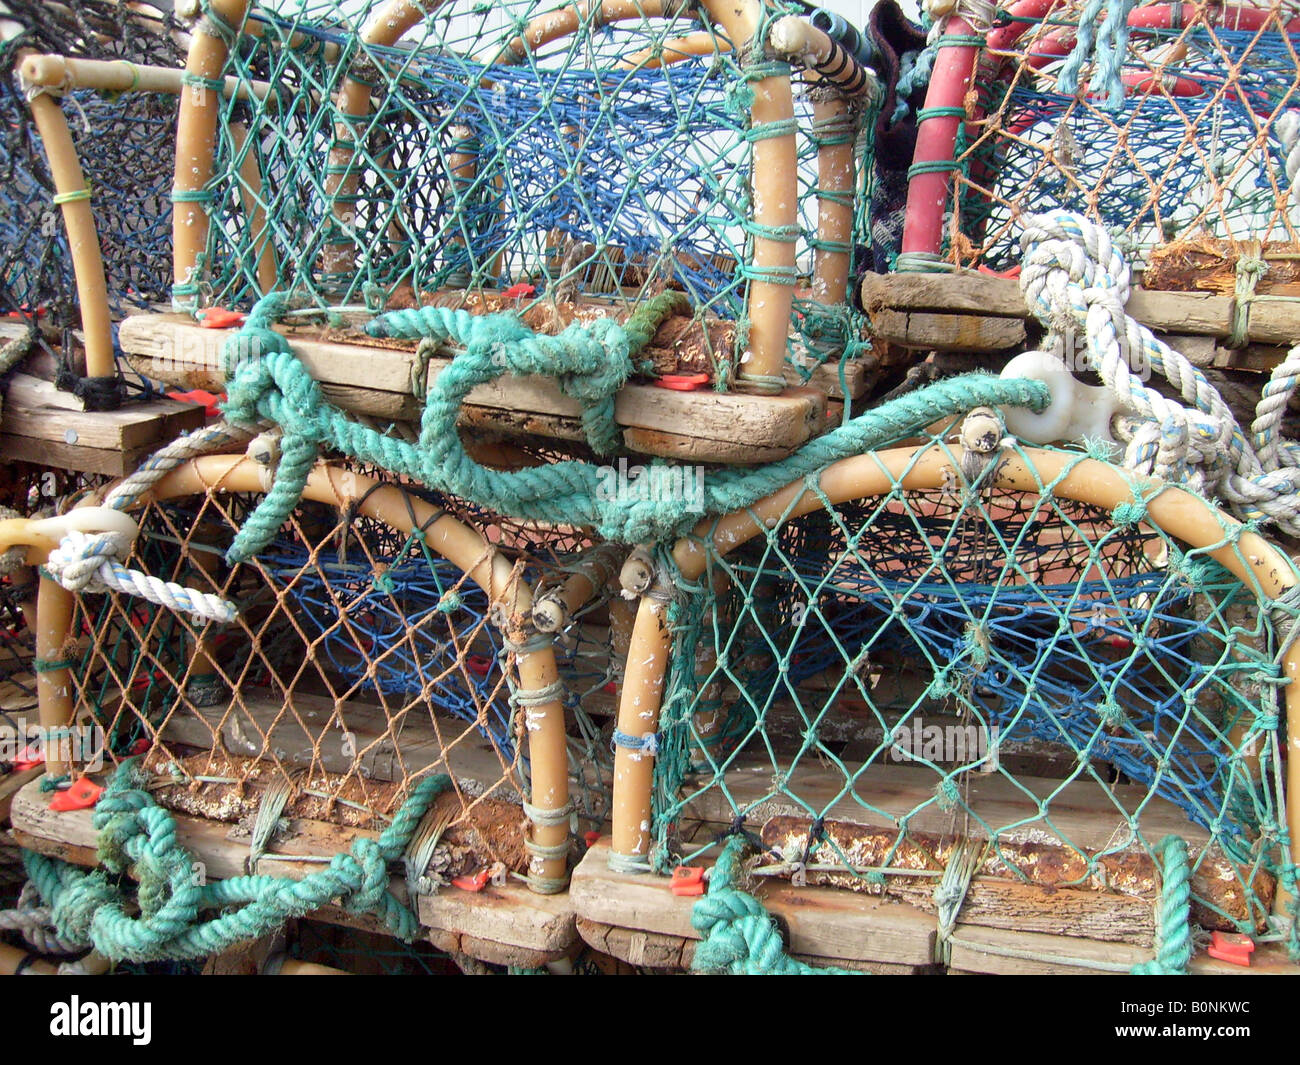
(394,633)
(125,145)
(1161,166)
(576,167)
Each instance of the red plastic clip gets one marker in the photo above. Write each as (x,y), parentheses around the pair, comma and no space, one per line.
(477,882)
(1231,947)
(480,664)
(520,290)
(688,880)
(209,400)
(28,758)
(81,796)
(141,746)
(1012,273)
(683,382)
(592,838)
(220,318)
(611,687)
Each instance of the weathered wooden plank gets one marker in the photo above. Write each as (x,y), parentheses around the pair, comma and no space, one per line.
(858,374)
(35,408)
(822,922)
(12,783)
(928,331)
(911,308)
(173,349)
(657,951)
(994,950)
(63,456)
(955,294)
(1274,320)
(511,914)
(43,425)
(1033,884)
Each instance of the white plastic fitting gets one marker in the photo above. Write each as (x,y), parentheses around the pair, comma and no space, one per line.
(1076,411)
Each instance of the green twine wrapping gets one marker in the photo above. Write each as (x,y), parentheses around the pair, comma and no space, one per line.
(1174,930)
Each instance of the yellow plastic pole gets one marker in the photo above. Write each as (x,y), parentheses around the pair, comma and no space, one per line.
(196,133)
(73,197)
(117,75)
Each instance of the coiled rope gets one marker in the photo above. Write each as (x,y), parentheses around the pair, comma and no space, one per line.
(92,562)
(135,833)
(267,381)
(1077,284)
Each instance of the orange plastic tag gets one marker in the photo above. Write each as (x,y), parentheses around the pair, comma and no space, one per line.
(81,796)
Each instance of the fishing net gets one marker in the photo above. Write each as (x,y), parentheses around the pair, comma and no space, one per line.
(126,147)
(877,687)
(595,167)
(360,664)
(1182,127)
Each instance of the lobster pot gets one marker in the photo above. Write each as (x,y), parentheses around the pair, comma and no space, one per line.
(597,159)
(361,662)
(1178,132)
(1001,680)
(126,147)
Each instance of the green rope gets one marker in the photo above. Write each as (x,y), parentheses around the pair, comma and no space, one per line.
(1174,934)
(135,832)
(740,937)
(266,381)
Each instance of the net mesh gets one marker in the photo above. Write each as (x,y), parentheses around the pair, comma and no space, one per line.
(594,167)
(360,663)
(126,147)
(868,685)
(1187,134)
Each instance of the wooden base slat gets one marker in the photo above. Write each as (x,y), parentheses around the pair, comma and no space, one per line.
(913,309)
(42,425)
(378,382)
(508,925)
(992,950)
(826,927)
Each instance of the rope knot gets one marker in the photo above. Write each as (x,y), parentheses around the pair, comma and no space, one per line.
(76,562)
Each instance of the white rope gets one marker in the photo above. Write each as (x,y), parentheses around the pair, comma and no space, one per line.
(92,562)
(1287,128)
(34,923)
(1077,283)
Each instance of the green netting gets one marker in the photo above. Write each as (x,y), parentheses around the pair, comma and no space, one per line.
(587,168)
(867,685)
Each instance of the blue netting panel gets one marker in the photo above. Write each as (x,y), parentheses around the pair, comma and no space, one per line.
(1194,149)
(579,168)
(126,147)
(395,633)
